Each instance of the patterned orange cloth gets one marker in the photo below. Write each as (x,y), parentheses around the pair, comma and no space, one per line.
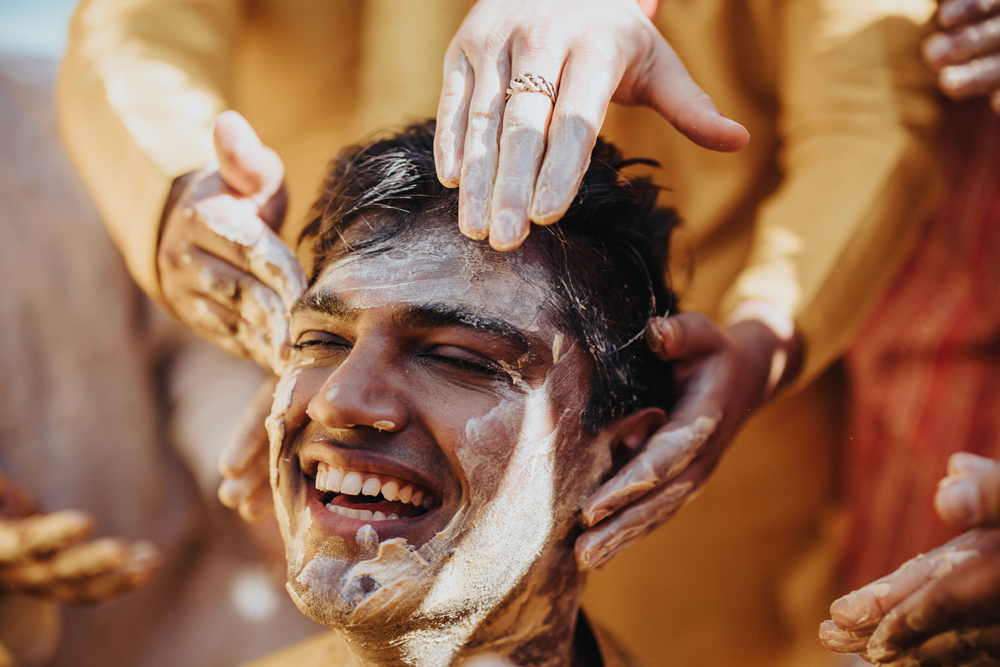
(925,370)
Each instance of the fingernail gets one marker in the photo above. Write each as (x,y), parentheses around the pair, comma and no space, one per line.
(654,339)
(855,610)
(936,49)
(506,230)
(472,222)
(543,207)
(964,461)
(959,500)
(596,516)
(954,77)
(949,13)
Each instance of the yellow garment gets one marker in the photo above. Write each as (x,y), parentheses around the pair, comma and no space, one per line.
(811,217)
(329,650)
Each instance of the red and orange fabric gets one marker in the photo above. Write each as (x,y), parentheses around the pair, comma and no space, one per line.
(925,370)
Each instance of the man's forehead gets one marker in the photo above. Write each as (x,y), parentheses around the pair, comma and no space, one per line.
(436,273)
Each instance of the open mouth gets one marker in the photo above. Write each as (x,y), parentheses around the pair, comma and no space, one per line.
(368,496)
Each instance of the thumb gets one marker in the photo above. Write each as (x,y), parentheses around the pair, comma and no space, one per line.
(671,91)
(970,494)
(245,164)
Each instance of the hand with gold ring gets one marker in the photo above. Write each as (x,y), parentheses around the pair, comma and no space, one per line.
(521,157)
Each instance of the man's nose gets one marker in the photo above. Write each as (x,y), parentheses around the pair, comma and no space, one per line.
(360,392)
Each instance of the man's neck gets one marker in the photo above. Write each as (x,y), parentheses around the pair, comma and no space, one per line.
(535,625)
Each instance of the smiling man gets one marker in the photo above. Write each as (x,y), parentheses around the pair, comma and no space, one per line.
(446,409)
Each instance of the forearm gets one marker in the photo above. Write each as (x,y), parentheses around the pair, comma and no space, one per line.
(857,120)
(136,95)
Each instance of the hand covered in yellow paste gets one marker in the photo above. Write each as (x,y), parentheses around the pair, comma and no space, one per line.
(723,374)
(47,555)
(941,608)
(966,53)
(223,270)
(523,159)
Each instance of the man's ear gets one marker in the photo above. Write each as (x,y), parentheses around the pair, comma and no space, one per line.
(633,430)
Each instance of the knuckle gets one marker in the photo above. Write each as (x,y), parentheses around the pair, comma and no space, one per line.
(537,40)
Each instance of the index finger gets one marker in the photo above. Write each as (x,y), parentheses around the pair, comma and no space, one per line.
(967,597)
(867,606)
(667,454)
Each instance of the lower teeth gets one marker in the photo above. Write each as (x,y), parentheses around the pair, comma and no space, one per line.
(364,515)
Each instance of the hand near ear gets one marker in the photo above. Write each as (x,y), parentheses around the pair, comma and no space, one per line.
(940,608)
(223,270)
(723,374)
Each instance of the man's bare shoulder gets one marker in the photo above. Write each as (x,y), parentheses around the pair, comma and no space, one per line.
(325,650)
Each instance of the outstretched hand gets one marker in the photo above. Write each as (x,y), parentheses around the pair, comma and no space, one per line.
(223,270)
(941,608)
(524,158)
(723,374)
(48,555)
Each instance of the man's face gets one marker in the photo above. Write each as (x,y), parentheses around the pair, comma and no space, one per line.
(426,442)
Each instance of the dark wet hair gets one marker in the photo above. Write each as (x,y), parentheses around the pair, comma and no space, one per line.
(606,257)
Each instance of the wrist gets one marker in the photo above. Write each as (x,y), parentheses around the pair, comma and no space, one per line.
(772,339)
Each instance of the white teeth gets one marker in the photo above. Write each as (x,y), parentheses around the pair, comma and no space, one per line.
(390,490)
(372,487)
(334,479)
(328,479)
(351,485)
(363,515)
(405,493)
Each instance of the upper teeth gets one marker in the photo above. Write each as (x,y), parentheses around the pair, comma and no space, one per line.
(353,483)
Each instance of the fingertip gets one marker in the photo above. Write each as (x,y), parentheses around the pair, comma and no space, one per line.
(935,50)
(957,502)
(508,230)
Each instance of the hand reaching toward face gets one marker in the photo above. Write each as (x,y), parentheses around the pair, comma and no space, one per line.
(243,462)
(966,53)
(523,159)
(941,608)
(723,374)
(47,554)
(223,270)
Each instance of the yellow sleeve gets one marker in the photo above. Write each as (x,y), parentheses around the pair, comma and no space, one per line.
(136,94)
(857,116)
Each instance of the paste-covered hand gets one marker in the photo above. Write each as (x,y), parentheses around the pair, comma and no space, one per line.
(223,270)
(942,607)
(243,462)
(966,53)
(524,157)
(723,374)
(48,555)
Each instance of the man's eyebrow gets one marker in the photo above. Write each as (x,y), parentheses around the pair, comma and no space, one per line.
(329,303)
(435,315)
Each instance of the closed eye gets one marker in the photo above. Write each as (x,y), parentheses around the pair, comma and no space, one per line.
(465,360)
